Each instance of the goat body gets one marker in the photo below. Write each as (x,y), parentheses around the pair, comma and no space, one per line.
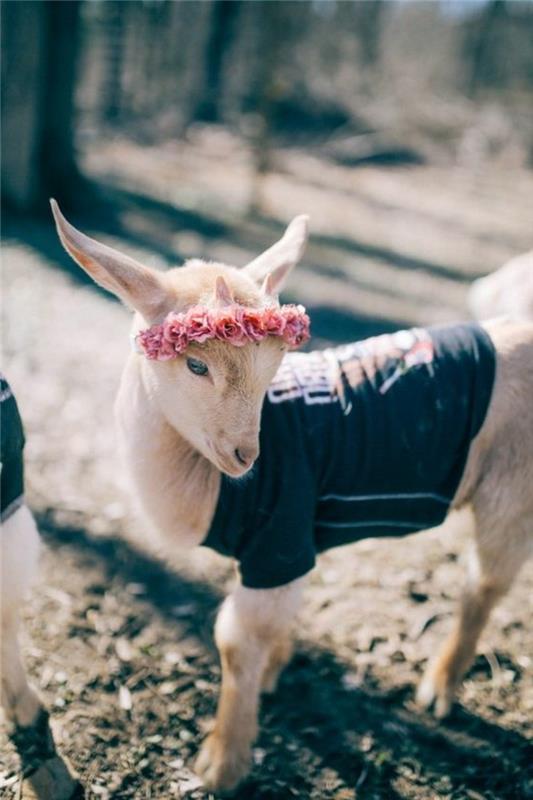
(19,552)
(180,431)
(367,439)
(508,290)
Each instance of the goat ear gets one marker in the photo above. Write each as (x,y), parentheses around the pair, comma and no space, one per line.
(138,286)
(223,295)
(276,262)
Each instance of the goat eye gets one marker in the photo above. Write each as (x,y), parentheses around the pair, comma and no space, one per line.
(197,366)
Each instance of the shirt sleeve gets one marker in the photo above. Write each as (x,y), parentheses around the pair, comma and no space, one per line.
(11,447)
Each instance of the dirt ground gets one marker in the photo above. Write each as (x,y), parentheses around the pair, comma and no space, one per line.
(118,640)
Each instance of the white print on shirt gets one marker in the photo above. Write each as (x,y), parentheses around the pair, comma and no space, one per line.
(420,353)
(306,375)
(318,378)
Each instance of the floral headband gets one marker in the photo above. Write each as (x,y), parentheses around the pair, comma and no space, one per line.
(234,324)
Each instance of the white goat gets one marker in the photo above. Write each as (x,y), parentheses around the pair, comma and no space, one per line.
(187,421)
(19,550)
(51,776)
(508,290)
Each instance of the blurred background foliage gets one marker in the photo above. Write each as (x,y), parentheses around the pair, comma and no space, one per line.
(360,82)
(199,128)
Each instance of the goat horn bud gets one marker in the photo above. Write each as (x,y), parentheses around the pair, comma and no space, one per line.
(223,295)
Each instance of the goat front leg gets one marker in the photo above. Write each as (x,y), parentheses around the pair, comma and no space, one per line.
(47,775)
(19,552)
(21,704)
(251,627)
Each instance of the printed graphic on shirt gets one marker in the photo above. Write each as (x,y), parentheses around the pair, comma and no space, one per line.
(307,376)
(389,467)
(319,378)
(403,350)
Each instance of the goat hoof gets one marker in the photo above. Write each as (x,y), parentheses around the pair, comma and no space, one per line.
(222,766)
(435,694)
(34,742)
(47,774)
(52,778)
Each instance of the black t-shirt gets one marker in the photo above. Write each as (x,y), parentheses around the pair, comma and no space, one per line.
(368,439)
(12,443)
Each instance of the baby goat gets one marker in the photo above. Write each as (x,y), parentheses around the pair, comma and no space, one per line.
(508,290)
(381,437)
(49,775)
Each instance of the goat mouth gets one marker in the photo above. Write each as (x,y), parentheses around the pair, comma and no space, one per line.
(229,465)
(232,469)
(235,472)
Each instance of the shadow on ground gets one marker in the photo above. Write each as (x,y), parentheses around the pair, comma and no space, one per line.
(152,224)
(319,735)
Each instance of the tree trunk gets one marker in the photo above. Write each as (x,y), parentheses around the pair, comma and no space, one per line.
(223,16)
(39,53)
(22,87)
(369,21)
(59,172)
(114,55)
(274,31)
(485,69)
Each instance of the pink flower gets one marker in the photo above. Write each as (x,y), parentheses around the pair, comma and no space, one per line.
(175,332)
(198,324)
(296,325)
(233,324)
(273,321)
(228,326)
(253,324)
(167,350)
(154,345)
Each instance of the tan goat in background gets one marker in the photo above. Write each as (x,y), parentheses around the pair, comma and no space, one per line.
(508,290)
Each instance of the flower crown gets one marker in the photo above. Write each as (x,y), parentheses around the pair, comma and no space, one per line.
(234,324)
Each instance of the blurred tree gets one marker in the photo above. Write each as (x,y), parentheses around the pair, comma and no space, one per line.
(39,54)
(273,26)
(113,24)
(498,47)
(368,20)
(480,44)
(224,14)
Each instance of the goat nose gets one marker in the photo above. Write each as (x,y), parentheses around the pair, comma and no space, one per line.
(246,455)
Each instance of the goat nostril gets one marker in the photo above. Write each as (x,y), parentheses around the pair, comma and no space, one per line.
(246,455)
(241,458)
